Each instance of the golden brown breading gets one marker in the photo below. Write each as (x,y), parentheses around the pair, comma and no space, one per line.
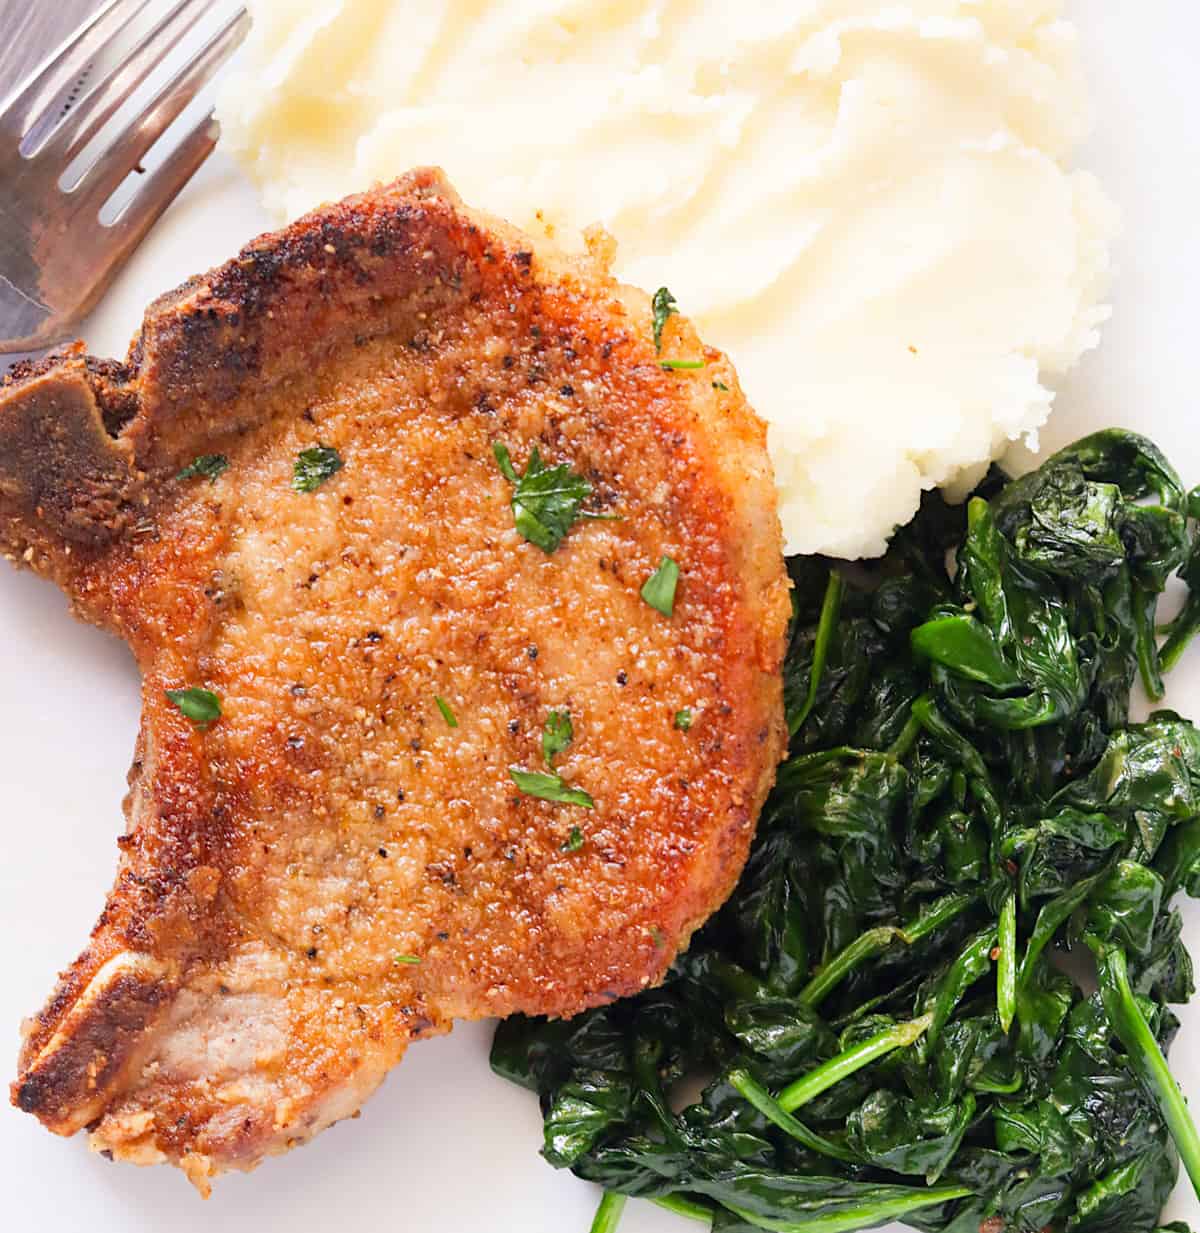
(249,981)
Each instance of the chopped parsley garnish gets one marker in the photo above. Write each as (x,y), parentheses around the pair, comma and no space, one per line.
(664,305)
(201,706)
(720,385)
(405,959)
(678,365)
(556,735)
(447,713)
(683,719)
(205,466)
(549,787)
(314,466)
(659,589)
(574,840)
(545,500)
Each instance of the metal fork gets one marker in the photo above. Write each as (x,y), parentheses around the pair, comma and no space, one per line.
(57,256)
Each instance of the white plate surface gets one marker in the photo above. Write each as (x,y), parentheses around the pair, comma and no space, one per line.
(445,1147)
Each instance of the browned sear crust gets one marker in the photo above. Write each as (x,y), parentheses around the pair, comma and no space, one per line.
(249,981)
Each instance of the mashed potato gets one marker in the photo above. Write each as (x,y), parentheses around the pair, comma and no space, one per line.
(867,204)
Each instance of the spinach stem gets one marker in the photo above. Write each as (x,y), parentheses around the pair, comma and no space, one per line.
(830,607)
(681,1205)
(1149,664)
(934,917)
(608,1214)
(996,1087)
(961,751)
(1180,633)
(1145,1056)
(876,940)
(845,961)
(899,748)
(1050,918)
(1006,963)
(972,962)
(761,1099)
(864,1216)
(810,1086)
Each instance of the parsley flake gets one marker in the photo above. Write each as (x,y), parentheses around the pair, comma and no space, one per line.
(447,713)
(549,788)
(405,959)
(545,500)
(201,706)
(314,466)
(659,589)
(205,466)
(720,385)
(683,719)
(557,734)
(664,305)
(680,365)
(574,840)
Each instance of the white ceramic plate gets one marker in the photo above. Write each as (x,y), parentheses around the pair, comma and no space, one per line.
(445,1147)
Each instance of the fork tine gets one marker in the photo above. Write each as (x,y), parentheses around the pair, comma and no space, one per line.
(99,105)
(157,192)
(111,167)
(68,61)
(126,231)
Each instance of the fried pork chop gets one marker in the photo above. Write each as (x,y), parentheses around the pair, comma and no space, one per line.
(342,862)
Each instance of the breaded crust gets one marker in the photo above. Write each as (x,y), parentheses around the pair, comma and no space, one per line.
(251,978)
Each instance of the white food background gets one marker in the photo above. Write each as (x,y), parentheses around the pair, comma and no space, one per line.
(445,1147)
